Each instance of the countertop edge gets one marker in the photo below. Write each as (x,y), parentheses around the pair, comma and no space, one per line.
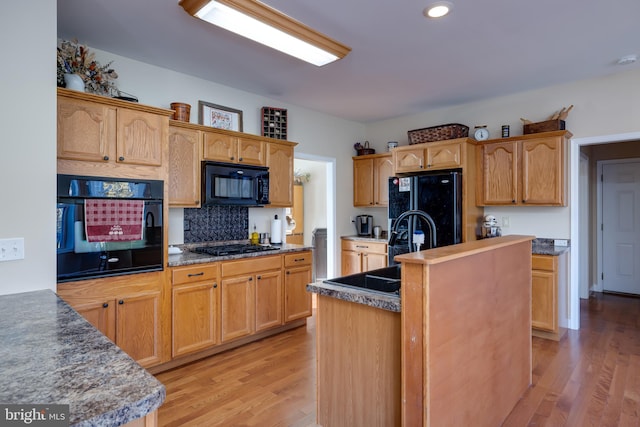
(191,258)
(365,297)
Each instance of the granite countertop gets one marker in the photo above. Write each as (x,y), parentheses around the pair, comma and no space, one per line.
(542,246)
(52,355)
(381,239)
(189,258)
(384,301)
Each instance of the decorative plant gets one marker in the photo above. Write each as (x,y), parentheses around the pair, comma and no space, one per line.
(300,177)
(78,59)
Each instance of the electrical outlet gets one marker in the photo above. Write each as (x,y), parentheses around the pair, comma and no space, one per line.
(351,219)
(506,221)
(11,249)
(560,242)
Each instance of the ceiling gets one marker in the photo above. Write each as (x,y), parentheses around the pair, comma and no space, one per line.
(401,63)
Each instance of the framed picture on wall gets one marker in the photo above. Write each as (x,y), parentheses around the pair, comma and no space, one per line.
(219,117)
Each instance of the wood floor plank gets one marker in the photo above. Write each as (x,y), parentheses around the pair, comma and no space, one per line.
(590,378)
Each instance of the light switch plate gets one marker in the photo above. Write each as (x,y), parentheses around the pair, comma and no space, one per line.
(560,242)
(11,249)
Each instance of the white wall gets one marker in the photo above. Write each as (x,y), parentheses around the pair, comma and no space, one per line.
(607,105)
(27,147)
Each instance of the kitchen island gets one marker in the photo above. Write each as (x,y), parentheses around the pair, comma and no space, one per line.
(51,355)
(458,353)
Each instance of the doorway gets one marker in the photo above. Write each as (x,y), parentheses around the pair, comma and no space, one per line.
(316,175)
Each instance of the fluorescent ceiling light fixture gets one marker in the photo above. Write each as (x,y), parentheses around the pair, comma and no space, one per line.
(263,24)
(438,10)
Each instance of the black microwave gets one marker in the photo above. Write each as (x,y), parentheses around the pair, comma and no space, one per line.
(234,185)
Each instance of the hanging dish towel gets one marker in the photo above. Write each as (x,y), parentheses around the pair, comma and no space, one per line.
(113,220)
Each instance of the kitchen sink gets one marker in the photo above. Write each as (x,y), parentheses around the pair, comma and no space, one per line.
(385,280)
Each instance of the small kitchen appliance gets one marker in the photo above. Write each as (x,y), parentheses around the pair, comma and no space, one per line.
(364,225)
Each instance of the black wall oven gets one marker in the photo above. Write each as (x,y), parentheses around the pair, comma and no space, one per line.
(108,226)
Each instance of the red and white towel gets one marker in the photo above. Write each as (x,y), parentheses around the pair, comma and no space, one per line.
(113,220)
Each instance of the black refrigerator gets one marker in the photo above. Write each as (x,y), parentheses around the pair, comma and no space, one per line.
(438,194)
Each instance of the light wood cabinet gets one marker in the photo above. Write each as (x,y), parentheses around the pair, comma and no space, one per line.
(371,179)
(548,294)
(195,313)
(525,170)
(429,156)
(185,152)
(297,275)
(105,132)
(244,307)
(359,256)
(280,164)
(127,309)
(297,213)
(223,147)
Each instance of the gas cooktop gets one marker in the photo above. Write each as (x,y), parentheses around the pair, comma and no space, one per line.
(233,249)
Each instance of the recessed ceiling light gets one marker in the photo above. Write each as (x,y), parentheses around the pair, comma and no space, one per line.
(438,9)
(628,59)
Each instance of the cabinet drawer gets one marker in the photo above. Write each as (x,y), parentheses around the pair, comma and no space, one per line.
(543,262)
(194,274)
(251,265)
(296,259)
(359,246)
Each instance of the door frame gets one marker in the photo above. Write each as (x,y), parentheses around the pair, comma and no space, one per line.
(599,214)
(574,207)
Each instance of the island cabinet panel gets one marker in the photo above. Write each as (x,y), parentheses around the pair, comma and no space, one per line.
(466,337)
(196,296)
(525,170)
(185,146)
(359,361)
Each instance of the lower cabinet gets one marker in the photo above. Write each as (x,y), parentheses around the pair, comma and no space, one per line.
(360,255)
(127,309)
(548,292)
(237,307)
(297,274)
(195,296)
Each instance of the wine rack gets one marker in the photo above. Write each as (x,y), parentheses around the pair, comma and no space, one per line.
(274,122)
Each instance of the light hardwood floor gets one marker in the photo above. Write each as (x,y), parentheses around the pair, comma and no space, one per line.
(590,378)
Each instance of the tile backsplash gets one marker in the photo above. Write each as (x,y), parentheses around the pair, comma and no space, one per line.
(216,223)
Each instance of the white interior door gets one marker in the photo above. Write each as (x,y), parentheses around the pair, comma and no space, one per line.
(621,227)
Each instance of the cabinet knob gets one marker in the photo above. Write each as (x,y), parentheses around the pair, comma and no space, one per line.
(231,157)
(105,158)
(259,277)
(121,302)
(215,285)
(239,159)
(197,202)
(251,279)
(288,272)
(121,158)
(429,165)
(524,201)
(513,201)
(105,305)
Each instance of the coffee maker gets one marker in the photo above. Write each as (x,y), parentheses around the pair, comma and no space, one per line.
(364,225)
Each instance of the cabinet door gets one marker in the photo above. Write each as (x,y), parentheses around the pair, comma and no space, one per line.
(140,137)
(86,131)
(351,262)
(237,304)
(280,163)
(268,300)
(184,167)
(138,327)
(251,152)
(499,173)
(372,261)
(410,160)
(542,171)
(194,320)
(444,156)
(544,302)
(362,182)
(297,303)
(219,147)
(383,169)
(101,314)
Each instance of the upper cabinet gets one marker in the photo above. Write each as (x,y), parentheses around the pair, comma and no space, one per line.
(449,154)
(223,147)
(371,180)
(185,152)
(99,132)
(280,163)
(525,170)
